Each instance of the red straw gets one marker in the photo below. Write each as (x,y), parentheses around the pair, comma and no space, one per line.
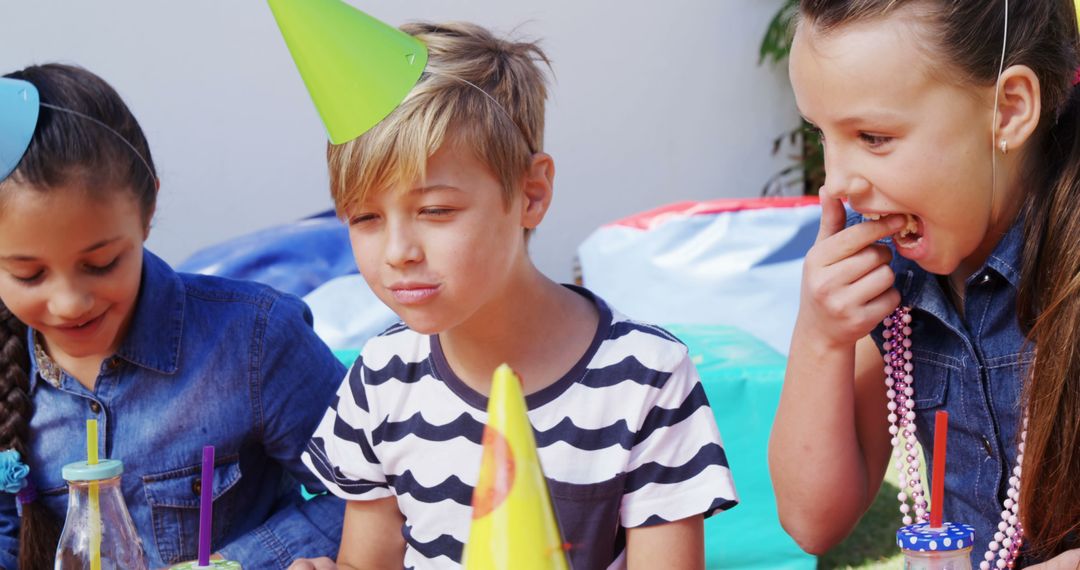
(937,491)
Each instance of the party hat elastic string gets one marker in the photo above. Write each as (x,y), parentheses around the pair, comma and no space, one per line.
(494,101)
(994,117)
(97,122)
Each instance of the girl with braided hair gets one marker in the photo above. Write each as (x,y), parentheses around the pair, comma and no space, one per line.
(94,326)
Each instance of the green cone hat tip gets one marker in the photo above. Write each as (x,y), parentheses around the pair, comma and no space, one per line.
(357,69)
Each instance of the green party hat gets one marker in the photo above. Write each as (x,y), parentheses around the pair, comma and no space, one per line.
(356,68)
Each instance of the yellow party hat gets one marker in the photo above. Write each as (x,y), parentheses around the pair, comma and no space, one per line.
(513,523)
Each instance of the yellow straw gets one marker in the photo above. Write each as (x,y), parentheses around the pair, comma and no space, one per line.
(95,508)
(91,442)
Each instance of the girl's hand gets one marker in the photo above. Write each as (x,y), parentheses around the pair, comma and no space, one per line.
(1068,560)
(323,563)
(847,283)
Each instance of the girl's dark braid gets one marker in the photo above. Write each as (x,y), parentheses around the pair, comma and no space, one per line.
(38,530)
(15,405)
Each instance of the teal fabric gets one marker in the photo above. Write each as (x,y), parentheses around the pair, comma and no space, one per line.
(347,355)
(742,377)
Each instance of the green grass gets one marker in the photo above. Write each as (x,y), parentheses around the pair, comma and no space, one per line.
(872,545)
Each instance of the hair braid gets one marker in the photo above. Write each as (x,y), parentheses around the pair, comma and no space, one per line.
(39,531)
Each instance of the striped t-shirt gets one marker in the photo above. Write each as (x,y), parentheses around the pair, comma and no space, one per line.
(626,439)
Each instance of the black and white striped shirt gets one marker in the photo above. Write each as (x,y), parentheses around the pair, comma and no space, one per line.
(626,439)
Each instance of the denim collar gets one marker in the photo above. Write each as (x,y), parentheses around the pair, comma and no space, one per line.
(154,335)
(1005,258)
(921,290)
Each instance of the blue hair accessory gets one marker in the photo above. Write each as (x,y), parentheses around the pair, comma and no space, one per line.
(19,107)
(13,472)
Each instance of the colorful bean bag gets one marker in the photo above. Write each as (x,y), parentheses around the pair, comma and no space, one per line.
(724,277)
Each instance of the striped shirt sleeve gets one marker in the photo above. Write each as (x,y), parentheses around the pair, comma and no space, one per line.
(340,452)
(678,468)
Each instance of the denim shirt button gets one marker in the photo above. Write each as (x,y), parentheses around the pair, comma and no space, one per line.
(113,363)
(987,447)
(985,278)
(196,487)
(95,407)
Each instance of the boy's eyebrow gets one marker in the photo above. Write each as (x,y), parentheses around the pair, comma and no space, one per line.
(433,188)
(93,247)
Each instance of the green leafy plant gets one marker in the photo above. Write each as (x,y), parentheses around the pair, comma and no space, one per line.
(802,144)
(776,45)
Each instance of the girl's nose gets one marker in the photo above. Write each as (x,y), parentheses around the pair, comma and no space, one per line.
(842,180)
(70,303)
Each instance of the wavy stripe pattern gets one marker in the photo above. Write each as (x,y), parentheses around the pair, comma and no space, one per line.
(633,436)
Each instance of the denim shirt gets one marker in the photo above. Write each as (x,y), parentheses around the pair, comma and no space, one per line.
(971,365)
(206,361)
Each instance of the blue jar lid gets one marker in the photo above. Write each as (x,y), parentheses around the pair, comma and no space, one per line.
(921,538)
(83,471)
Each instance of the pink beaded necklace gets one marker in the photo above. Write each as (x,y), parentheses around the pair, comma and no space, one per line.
(899,382)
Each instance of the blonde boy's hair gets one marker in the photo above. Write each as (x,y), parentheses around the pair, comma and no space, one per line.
(467,68)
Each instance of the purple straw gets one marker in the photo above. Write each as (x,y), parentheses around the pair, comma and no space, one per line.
(206,505)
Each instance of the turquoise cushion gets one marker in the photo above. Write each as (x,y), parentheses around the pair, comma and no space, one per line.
(742,378)
(347,355)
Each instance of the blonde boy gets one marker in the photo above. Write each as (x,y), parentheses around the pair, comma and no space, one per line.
(440,198)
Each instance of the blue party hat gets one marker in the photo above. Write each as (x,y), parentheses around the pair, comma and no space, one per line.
(19,108)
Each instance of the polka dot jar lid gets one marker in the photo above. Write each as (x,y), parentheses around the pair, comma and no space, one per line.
(921,538)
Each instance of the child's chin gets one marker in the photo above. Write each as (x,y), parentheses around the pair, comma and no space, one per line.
(423,326)
(936,266)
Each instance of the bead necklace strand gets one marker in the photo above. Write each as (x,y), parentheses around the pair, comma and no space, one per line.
(899,381)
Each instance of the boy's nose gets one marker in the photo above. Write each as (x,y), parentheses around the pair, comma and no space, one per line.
(402,248)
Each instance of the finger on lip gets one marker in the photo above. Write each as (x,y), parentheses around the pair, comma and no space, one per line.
(886,225)
(859,236)
(833,217)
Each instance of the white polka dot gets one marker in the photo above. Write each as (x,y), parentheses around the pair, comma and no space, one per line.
(960,544)
(914,540)
(933,545)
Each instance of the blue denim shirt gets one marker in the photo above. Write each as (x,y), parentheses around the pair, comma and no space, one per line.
(972,366)
(206,361)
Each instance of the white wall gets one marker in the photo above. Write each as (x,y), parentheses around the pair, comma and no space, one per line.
(654,102)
